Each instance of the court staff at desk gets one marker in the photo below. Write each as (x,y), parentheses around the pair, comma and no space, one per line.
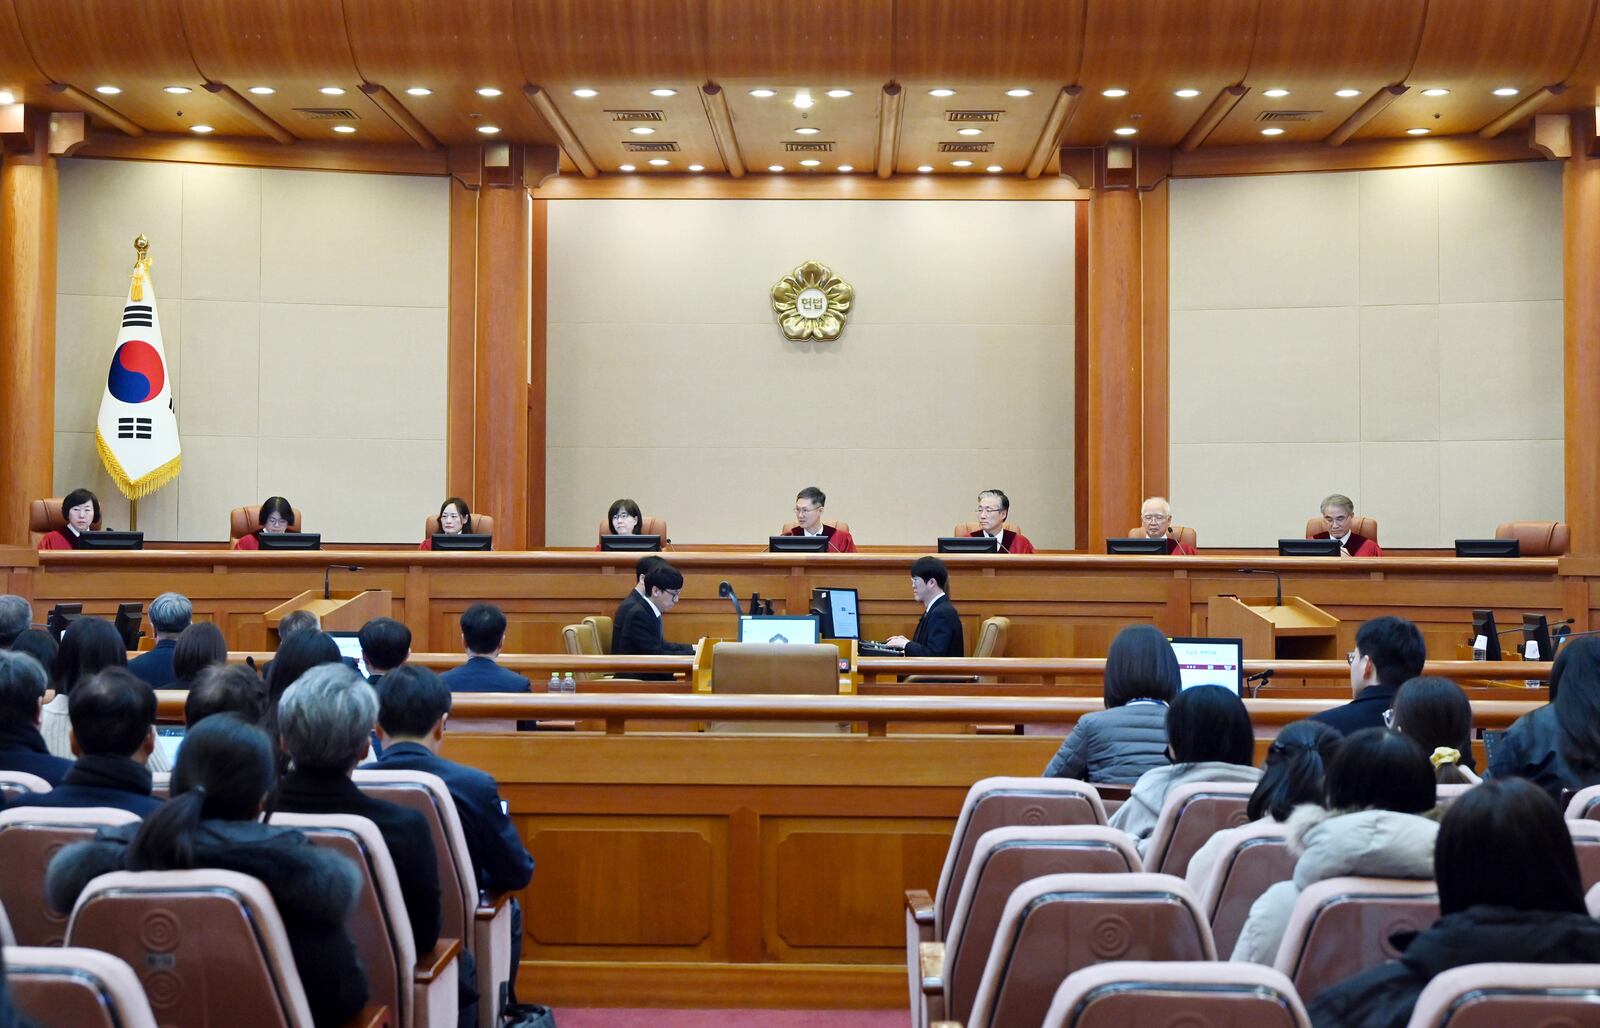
(938,632)
(637,626)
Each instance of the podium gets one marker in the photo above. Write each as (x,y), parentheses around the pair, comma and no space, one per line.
(1297,630)
(346,611)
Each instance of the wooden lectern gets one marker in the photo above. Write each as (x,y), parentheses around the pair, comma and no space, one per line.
(346,611)
(1297,630)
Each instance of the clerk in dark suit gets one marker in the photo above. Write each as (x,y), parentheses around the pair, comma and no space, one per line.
(938,632)
(170,614)
(483,629)
(634,602)
(640,632)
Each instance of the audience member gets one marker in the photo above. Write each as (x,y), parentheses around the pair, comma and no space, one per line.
(223,780)
(1376,787)
(483,630)
(88,646)
(22,748)
(326,718)
(16,614)
(385,645)
(1210,740)
(938,631)
(1531,747)
(200,646)
(170,614)
(10,1016)
(297,654)
(113,718)
(1296,766)
(1438,715)
(41,646)
(1129,737)
(1577,704)
(1389,651)
(226,688)
(1509,892)
(297,621)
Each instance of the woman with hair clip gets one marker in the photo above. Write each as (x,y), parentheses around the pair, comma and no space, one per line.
(1438,715)
(81,510)
(224,781)
(1556,746)
(1509,892)
(275,517)
(455,518)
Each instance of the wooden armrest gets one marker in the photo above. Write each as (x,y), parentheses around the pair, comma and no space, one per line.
(431,965)
(919,905)
(930,958)
(489,906)
(373,1015)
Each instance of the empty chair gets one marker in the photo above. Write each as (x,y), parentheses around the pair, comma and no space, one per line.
(1058,924)
(1192,814)
(1257,857)
(29,837)
(1585,803)
(1586,846)
(1537,538)
(1176,993)
(581,640)
(601,623)
(992,635)
(1341,926)
(1493,995)
(16,784)
(80,987)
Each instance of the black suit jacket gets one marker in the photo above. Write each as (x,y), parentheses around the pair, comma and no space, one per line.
(639,632)
(155,666)
(480,674)
(1365,711)
(938,633)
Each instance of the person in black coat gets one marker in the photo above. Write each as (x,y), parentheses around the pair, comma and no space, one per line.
(1552,746)
(634,601)
(483,629)
(22,748)
(639,632)
(938,632)
(1509,892)
(1389,653)
(170,614)
(224,772)
(113,718)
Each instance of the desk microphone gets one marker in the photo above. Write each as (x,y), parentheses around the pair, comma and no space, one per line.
(1260,678)
(726,590)
(1278,601)
(327,577)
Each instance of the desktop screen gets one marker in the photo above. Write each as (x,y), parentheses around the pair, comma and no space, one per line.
(350,646)
(778,629)
(1210,662)
(842,611)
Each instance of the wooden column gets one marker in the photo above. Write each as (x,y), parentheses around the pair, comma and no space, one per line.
(1580,202)
(1157,387)
(538,379)
(28,190)
(463,330)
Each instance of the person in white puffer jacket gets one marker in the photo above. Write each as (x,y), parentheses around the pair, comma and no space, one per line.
(1370,824)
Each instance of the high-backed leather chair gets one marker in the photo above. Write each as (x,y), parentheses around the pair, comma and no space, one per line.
(1341,926)
(1585,803)
(1586,845)
(581,640)
(648,525)
(16,784)
(1176,993)
(1492,995)
(482,524)
(1189,817)
(44,517)
(1058,924)
(1182,533)
(992,634)
(601,623)
(775,668)
(29,837)
(972,527)
(80,987)
(1537,538)
(790,526)
(1257,858)
(244,520)
(1361,525)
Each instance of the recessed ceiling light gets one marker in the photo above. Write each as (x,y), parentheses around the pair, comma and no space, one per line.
(924,168)
(642,130)
(774,167)
(840,94)
(1417,131)
(969,132)
(802,100)
(1347,92)
(108,90)
(1186,94)
(7,98)
(809,163)
(763,93)
(1019,92)
(847,168)
(1436,92)
(262,90)
(419,91)
(1274,93)
(585,92)
(624,167)
(488,130)
(994,168)
(663,91)
(1127,130)
(806,130)
(962,164)
(344,129)
(1272,132)
(1506,91)
(941,92)
(659,162)
(177,90)
(202,129)
(332,90)
(1114,93)
(489,91)
(697,167)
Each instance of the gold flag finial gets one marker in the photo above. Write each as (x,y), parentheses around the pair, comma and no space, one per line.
(141,266)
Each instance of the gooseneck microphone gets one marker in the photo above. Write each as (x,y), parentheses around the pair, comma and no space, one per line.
(327,577)
(1278,600)
(1260,678)
(726,590)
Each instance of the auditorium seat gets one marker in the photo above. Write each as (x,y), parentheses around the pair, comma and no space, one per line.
(1257,859)
(1361,525)
(16,784)
(1341,926)
(73,986)
(421,986)
(244,520)
(1182,533)
(1058,924)
(484,928)
(1191,815)
(1537,538)
(1187,993)
(1591,900)
(1003,859)
(992,635)
(7,937)
(1585,803)
(482,524)
(601,624)
(44,517)
(29,837)
(1493,995)
(1445,794)
(974,527)
(790,526)
(1586,845)
(648,526)
(161,784)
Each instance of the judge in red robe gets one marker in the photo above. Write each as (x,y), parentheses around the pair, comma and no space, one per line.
(1339,513)
(993,509)
(1155,515)
(81,509)
(276,515)
(808,505)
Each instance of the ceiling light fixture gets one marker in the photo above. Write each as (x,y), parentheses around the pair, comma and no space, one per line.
(962,164)
(840,94)
(806,130)
(585,93)
(202,129)
(1127,130)
(1347,93)
(1438,91)
(7,98)
(993,168)
(663,91)
(177,90)
(847,168)
(1114,93)
(697,167)
(969,131)
(1417,131)
(1272,132)
(659,162)
(941,92)
(809,163)
(763,93)
(332,90)
(489,91)
(1186,94)
(107,90)
(1019,92)
(924,168)
(344,130)
(625,167)
(1274,93)
(774,167)
(642,130)
(1507,91)
(489,130)
(419,91)
(803,101)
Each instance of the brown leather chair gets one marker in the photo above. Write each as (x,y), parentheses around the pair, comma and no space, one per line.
(1586,844)
(80,987)
(1341,927)
(648,525)
(16,784)
(29,837)
(601,623)
(482,524)
(775,669)
(972,527)
(1537,538)
(1257,859)
(992,634)
(1189,817)
(1492,995)
(1183,533)
(1362,525)
(244,520)
(1176,992)
(581,640)
(44,517)
(790,526)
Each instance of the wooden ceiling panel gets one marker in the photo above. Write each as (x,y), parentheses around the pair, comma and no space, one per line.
(93,42)
(1477,42)
(605,133)
(1359,44)
(998,42)
(926,123)
(19,76)
(609,42)
(765,125)
(800,41)
(1464,111)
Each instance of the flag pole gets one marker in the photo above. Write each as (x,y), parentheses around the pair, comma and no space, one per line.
(133,515)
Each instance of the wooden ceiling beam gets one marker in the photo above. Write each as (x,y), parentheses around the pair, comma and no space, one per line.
(1221,105)
(250,112)
(1055,123)
(390,104)
(1366,112)
(1530,103)
(721,119)
(546,107)
(891,104)
(88,103)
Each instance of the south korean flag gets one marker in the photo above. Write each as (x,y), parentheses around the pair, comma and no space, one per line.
(137,431)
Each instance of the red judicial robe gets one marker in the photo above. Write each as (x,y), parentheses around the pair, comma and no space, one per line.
(60,539)
(1010,542)
(838,542)
(1177,549)
(1358,545)
(247,542)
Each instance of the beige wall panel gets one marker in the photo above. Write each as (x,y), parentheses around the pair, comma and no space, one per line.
(1500,232)
(104,206)
(355,490)
(1264,241)
(221,233)
(336,238)
(78,464)
(86,335)
(1485,483)
(1400,487)
(1500,370)
(1399,359)
(1253,494)
(1285,369)
(219,474)
(219,388)
(1399,236)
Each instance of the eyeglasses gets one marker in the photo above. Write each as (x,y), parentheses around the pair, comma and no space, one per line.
(1350,658)
(1154,517)
(803,511)
(989,510)
(1388,718)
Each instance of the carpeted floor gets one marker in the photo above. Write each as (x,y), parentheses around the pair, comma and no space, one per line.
(593,1017)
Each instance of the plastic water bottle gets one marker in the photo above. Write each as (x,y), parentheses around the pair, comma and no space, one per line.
(569,684)
(555,681)
(1530,651)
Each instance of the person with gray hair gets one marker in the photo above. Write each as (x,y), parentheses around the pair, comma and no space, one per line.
(16,614)
(22,748)
(325,720)
(170,614)
(1339,518)
(297,621)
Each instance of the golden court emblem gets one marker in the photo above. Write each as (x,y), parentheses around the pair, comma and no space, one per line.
(812,302)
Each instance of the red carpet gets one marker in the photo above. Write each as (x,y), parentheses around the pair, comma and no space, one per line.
(573,1017)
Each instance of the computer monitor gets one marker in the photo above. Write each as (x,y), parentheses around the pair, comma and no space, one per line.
(838,612)
(169,739)
(111,541)
(1136,546)
(779,628)
(349,644)
(128,617)
(629,543)
(969,544)
(1483,625)
(62,615)
(1308,547)
(797,544)
(1536,629)
(290,540)
(1210,662)
(462,541)
(1488,548)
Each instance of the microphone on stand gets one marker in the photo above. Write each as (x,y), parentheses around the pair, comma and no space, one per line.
(1260,678)
(327,577)
(1278,601)
(726,590)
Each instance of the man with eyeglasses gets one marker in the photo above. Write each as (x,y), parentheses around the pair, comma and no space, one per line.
(640,633)
(1389,652)
(1156,517)
(808,517)
(994,507)
(1339,514)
